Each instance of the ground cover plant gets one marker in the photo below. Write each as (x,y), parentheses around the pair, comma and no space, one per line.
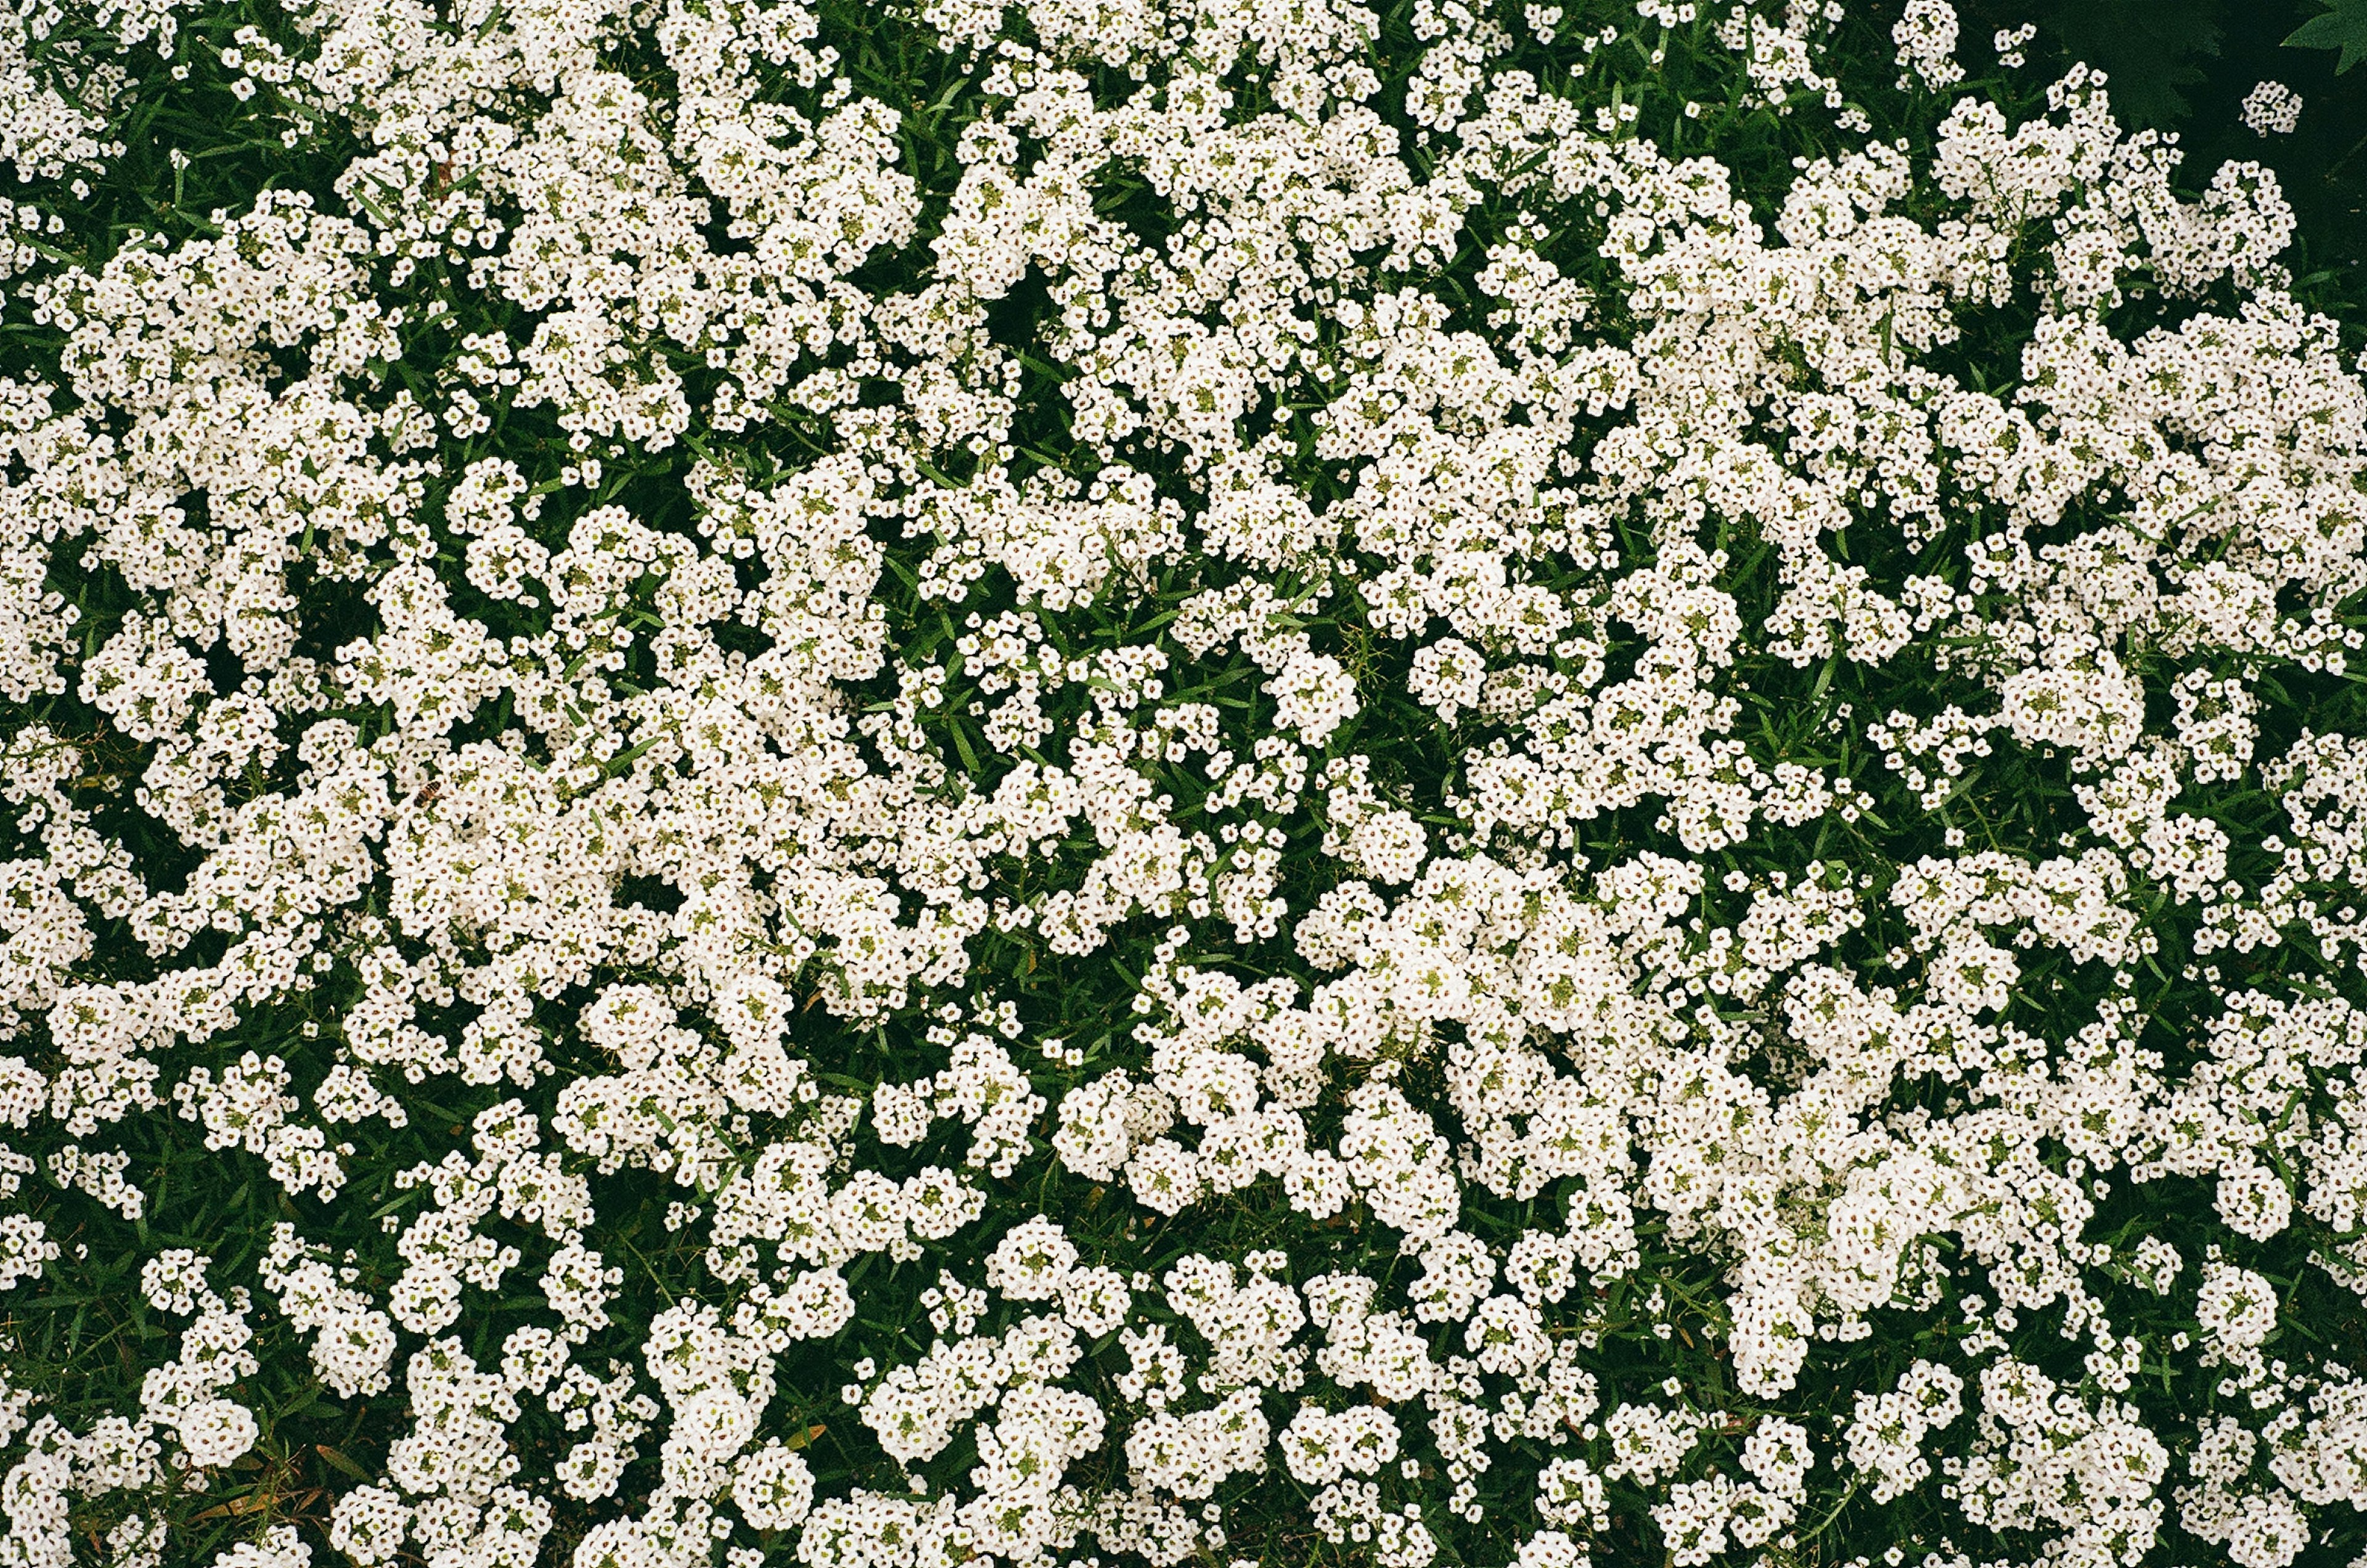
(1221,782)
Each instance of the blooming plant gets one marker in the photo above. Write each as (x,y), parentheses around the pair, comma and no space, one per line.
(1218,781)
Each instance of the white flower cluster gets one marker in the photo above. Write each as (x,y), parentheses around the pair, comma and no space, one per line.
(552,675)
(2271,108)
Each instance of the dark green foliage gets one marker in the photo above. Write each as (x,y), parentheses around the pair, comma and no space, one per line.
(2156,50)
(2342,27)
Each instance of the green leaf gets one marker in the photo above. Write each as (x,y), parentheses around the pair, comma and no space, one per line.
(2344,28)
(340,1462)
(2150,48)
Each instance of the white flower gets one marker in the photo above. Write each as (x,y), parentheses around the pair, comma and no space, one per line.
(1386,681)
(1032,1263)
(2236,1307)
(773,1487)
(2271,108)
(216,1431)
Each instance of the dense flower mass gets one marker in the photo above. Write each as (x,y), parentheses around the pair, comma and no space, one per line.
(1154,781)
